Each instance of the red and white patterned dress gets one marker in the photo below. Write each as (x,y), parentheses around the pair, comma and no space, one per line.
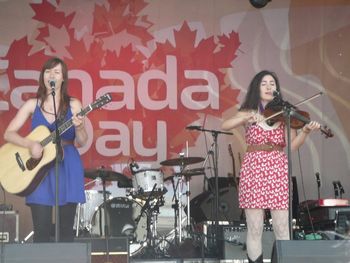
(264,175)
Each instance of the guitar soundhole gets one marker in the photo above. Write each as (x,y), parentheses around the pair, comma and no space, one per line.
(32,163)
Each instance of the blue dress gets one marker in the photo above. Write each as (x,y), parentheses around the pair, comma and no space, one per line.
(71,171)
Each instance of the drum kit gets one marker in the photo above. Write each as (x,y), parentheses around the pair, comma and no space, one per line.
(136,215)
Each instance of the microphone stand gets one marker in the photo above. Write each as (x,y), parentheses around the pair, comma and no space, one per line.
(102,175)
(59,153)
(176,211)
(289,111)
(318,186)
(205,178)
(341,189)
(215,134)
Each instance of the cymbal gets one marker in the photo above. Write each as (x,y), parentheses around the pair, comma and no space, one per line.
(187,173)
(182,161)
(107,175)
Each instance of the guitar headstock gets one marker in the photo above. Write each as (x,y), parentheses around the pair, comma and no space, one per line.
(101,101)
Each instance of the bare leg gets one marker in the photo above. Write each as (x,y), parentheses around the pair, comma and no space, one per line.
(255,224)
(280,224)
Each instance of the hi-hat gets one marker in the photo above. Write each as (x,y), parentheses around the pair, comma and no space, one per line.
(182,161)
(106,175)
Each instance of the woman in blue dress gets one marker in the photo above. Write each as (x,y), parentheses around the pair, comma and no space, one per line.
(71,172)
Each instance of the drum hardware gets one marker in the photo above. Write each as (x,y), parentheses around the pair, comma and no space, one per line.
(183,175)
(146,205)
(150,209)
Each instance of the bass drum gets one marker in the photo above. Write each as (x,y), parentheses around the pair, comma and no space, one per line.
(121,221)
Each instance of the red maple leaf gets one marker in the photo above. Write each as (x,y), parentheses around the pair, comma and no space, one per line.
(122,15)
(47,13)
(191,57)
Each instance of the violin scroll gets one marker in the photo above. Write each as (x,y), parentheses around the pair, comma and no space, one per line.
(326,131)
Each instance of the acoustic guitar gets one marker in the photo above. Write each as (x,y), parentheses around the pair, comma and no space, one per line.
(20,174)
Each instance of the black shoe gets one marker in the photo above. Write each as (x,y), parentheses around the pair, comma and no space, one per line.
(258,260)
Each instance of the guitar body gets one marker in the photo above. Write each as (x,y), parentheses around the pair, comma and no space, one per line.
(13,177)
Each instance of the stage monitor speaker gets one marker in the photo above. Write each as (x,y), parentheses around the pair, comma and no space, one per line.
(118,249)
(309,251)
(203,206)
(47,253)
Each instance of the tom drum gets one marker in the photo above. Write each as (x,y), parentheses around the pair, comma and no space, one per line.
(143,182)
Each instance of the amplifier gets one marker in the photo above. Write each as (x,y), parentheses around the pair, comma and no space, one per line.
(230,242)
(323,218)
(9,221)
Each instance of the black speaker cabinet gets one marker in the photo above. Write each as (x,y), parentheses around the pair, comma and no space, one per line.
(47,253)
(311,251)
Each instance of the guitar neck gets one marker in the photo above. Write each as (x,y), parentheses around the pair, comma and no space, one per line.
(64,127)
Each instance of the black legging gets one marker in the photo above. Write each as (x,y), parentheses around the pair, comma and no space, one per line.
(42,222)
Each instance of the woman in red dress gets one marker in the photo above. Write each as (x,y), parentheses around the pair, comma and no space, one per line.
(264,172)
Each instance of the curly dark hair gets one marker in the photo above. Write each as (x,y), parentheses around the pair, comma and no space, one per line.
(252,99)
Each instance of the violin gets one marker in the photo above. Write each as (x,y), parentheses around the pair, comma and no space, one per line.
(273,113)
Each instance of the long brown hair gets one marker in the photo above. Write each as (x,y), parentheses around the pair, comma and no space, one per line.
(42,93)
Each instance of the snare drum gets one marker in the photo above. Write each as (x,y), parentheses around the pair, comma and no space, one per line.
(143,182)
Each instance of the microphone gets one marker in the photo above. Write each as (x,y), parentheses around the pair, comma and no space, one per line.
(194,127)
(52,84)
(276,93)
(318,179)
